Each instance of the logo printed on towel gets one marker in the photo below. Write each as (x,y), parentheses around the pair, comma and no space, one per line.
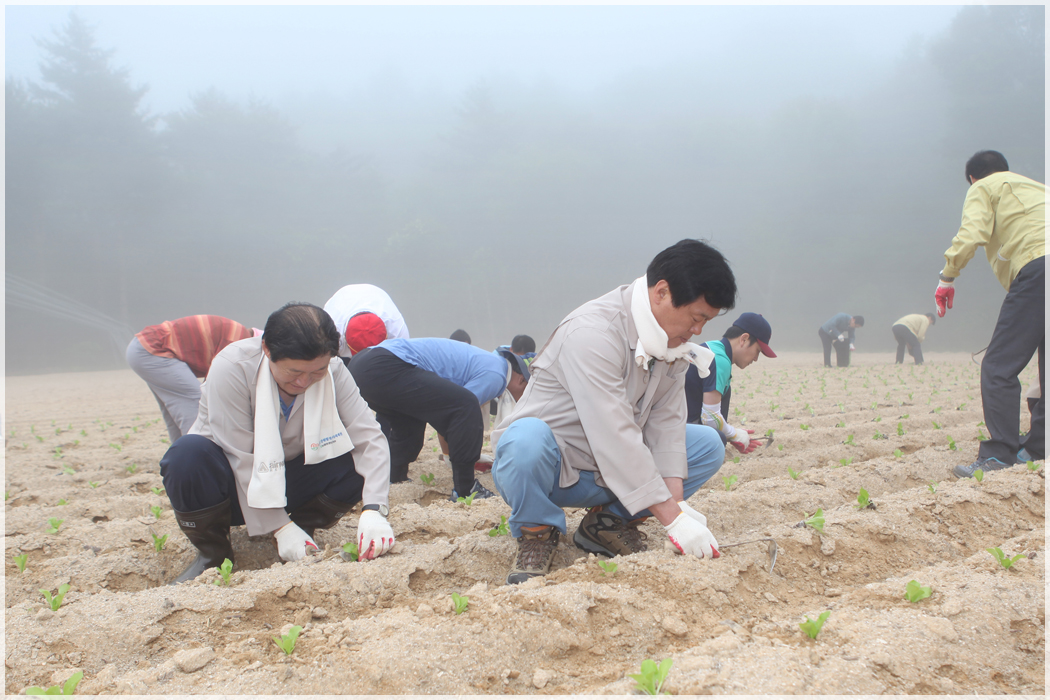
(267,467)
(325,442)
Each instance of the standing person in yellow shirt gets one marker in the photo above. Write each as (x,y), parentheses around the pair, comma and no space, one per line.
(1005,213)
(910,332)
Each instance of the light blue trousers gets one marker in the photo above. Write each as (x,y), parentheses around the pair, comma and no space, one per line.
(527,465)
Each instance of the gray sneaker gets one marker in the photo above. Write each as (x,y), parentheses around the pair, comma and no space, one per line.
(602,532)
(477,489)
(988,464)
(535,554)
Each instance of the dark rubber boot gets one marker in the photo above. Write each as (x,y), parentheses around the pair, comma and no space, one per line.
(398,473)
(209,531)
(319,513)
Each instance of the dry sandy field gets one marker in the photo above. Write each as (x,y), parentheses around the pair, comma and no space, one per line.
(84,503)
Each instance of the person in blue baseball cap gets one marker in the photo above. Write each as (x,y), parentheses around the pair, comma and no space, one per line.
(708,399)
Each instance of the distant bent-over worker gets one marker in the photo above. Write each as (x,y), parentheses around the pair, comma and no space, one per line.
(245,461)
(910,332)
(365,315)
(171,356)
(1006,214)
(839,331)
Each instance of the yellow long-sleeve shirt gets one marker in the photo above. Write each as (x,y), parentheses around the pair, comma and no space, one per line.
(916,323)
(1006,213)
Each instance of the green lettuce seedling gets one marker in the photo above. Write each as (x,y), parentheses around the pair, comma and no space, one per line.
(286,643)
(131,468)
(816,521)
(651,679)
(878,436)
(93,484)
(156,510)
(736,460)
(979,475)
(803,426)
(54,524)
(729,481)
(951,443)
(83,433)
(849,440)
(780,448)
(501,529)
(981,437)
(863,501)
(877,419)
(897,454)
(1004,560)
(67,688)
(66,469)
(460,602)
(608,567)
(841,424)
(158,542)
(769,433)
(793,474)
(20,561)
(62,502)
(1032,466)
(936,425)
(55,602)
(915,592)
(846,461)
(900,428)
(427,479)
(156,490)
(932,486)
(813,627)
(351,549)
(115,446)
(468,499)
(224,572)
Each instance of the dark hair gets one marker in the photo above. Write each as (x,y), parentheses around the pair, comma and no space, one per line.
(523,343)
(300,331)
(736,332)
(984,163)
(859,320)
(692,270)
(460,335)
(933,318)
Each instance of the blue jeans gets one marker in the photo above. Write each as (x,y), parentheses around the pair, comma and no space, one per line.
(528,463)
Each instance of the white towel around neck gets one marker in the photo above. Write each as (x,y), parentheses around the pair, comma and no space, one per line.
(324,435)
(652,339)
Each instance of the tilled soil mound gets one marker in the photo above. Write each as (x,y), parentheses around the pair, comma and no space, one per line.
(82,453)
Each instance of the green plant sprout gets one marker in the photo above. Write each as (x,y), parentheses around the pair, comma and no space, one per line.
(93,484)
(58,431)
(224,572)
(878,436)
(62,502)
(158,542)
(286,643)
(863,501)
(803,426)
(57,452)
(729,481)
(816,521)
(38,438)
(1032,466)
(906,416)
(156,510)
(812,627)
(1003,560)
(131,468)
(54,524)
(67,688)
(433,449)
(915,592)
(736,460)
(351,549)
(468,499)
(961,406)
(981,425)
(156,490)
(936,425)
(793,474)
(780,448)
(979,475)
(66,469)
(897,454)
(460,603)
(20,561)
(951,443)
(165,441)
(900,428)
(501,529)
(83,433)
(876,419)
(846,461)
(981,437)
(932,486)
(651,679)
(55,602)
(427,479)
(608,567)
(769,433)
(115,446)
(849,440)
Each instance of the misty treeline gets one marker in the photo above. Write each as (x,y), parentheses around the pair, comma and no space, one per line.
(521,200)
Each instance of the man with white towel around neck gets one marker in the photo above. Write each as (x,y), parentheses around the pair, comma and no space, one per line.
(283,443)
(601,424)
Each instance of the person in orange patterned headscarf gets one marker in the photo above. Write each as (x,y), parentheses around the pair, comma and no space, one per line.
(173,355)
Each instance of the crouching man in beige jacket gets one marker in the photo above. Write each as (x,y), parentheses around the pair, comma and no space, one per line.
(602,423)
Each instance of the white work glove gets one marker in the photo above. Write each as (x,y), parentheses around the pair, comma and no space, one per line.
(374,535)
(842,337)
(694,514)
(690,536)
(851,347)
(293,543)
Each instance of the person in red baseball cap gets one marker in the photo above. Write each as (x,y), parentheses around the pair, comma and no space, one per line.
(363,331)
(708,399)
(365,316)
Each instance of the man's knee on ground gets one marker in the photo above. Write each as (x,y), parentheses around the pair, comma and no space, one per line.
(523,443)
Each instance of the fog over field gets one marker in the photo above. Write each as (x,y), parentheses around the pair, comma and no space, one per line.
(493,167)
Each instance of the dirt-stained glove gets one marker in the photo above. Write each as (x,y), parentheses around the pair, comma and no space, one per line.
(374,535)
(748,447)
(689,536)
(293,543)
(944,296)
(694,514)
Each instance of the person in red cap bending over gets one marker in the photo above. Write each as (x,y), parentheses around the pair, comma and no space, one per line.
(707,399)
(365,316)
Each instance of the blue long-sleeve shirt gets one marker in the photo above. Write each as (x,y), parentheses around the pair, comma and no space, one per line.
(839,323)
(483,373)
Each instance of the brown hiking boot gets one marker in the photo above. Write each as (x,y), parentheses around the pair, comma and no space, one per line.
(602,532)
(535,552)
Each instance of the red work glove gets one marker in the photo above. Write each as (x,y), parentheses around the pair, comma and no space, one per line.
(944,296)
(749,447)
